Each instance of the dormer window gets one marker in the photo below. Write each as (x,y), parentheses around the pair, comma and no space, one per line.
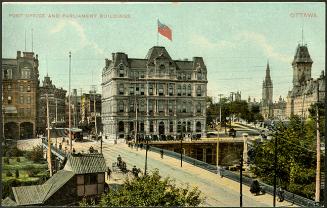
(26,73)
(121,70)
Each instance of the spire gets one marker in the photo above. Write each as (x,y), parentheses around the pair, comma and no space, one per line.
(268,78)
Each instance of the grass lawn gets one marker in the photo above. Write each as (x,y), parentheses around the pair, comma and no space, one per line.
(23,166)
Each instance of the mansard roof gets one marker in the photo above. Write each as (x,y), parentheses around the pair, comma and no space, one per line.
(302,55)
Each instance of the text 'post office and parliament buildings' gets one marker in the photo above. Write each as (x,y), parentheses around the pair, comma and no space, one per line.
(159,95)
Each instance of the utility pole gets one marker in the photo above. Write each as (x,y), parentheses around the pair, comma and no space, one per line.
(275,172)
(69,107)
(241,180)
(146,155)
(49,142)
(317,195)
(56,111)
(220,107)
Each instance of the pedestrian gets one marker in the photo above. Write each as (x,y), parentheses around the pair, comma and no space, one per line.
(74,150)
(221,172)
(108,173)
(280,194)
(60,146)
(135,171)
(161,153)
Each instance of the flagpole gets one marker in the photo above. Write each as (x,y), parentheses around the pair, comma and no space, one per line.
(157,32)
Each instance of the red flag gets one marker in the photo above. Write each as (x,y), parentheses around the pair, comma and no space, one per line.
(164,30)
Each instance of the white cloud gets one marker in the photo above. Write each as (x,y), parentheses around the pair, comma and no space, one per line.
(84,41)
(267,48)
(203,42)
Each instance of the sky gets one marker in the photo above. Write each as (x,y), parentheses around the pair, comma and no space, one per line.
(235,39)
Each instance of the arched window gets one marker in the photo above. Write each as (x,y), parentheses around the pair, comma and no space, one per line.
(121,126)
(184,107)
(121,106)
(179,93)
(121,89)
(179,127)
(189,126)
(189,107)
(170,106)
(151,126)
(171,126)
(171,90)
(198,91)
(198,126)
(199,74)
(184,76)
(131,106)
(161,89)
(189,90)
(131,126)
(198,107)
(184,127)
(121,70)
(184,90)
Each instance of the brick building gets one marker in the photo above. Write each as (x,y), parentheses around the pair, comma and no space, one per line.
(20,92)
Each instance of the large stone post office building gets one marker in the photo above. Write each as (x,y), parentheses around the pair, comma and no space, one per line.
(168,95)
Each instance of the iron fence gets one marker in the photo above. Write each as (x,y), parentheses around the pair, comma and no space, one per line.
(291,197)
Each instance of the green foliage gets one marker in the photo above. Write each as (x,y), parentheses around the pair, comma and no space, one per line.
(17,173)
(36,154)
(150,190)
(240,109)
(32,172)
(8,174)
(296,157)
(18,159)
(6,160)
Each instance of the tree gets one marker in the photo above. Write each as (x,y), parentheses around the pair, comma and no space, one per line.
(296,157)
(150,190)
(36,154)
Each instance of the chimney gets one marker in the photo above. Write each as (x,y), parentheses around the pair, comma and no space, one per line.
(19,54)
(107,62)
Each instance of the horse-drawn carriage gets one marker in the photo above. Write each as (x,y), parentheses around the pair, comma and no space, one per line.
(119,165)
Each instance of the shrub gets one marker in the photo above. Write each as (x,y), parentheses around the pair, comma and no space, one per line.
(18,159)
(32,172)
(36,154)
(16,173)
(6,160)
(255,187)
(9,174)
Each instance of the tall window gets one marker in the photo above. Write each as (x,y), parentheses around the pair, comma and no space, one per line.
(198,91)
(151,126)
(189,107)
(131,89)
(170,106)
(160,106)
(142,106)
(9,87)
(121,70)
(188,76)
(184,107)
(179,93)
(150,106)
(28,99)
(21,88)
(9,100)
(142,74)
(199,75)
(150,89)
(28,88)
(184,90)
(188,126)
(121,126)
(171,90)
(179,107)
(121,89)
(171,126)
(121,106)
(131,106)
(179,77)
(189,90)
(142,89)
(21,99)
(161,90)
(179,127)
(198,107)
(26,73)
(184,76)
(7,74)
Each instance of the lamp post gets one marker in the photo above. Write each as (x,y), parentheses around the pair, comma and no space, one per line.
(275,172)
(146,154)
(241,180)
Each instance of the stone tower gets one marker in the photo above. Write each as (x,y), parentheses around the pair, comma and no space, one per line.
(301,65)
(267,95)
(267,88)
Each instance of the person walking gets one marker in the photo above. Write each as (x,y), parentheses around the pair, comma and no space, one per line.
(161,153)
(108,173)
